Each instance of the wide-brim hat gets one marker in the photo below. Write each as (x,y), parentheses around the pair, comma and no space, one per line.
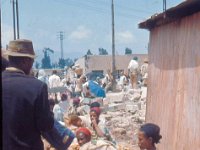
(146,60)
(77,65)
(21,48)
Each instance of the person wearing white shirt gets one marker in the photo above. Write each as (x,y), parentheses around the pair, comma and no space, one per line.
(144,71)
(42,76)
(133,69)
(54,80)
(122,81)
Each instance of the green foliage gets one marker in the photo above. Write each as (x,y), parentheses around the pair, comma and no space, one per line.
(55,65)
(61,63)
(128,51)
(65,62)
(103,51)
(46,60)
(75,59)
(89,52)
(68,62)
(37,65)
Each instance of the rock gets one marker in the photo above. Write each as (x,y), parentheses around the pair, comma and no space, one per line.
(108,123)
(114,107)
(116,120)
(113,114)
(133,112)
(119,131)
(123,125)
(136,97)
(132,107)
(144,93)
(115,97)
(107,117)
(140,120)
(139,104)
(138,91)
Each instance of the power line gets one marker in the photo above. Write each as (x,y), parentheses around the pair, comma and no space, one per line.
(101,10)
(117,5)
(122,8)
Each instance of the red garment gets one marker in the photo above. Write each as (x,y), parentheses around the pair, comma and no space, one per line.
(76,100)
(96,109)
(85,131)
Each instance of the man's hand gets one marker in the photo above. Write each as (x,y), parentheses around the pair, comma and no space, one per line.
(94,123)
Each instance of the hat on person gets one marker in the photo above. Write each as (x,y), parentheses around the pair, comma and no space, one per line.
(77,65)
(146,60)
(21,48)
(84,131)
(76,100)
(97,110)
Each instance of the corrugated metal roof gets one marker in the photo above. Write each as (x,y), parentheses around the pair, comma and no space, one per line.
(184,9)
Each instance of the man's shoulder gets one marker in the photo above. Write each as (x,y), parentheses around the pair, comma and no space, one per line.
(19,80)
(34,81)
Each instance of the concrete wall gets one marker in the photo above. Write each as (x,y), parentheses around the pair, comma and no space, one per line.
(173,98)
(104,62)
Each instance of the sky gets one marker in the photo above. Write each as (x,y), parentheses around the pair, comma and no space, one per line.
(86,24)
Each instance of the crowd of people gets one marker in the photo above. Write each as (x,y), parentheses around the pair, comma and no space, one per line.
(35,118)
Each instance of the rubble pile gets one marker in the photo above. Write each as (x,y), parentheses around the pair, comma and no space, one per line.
(124,112)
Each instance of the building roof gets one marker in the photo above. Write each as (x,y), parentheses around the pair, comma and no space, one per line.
(186,8)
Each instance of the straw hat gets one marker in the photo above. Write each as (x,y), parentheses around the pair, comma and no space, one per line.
(21,48)
(77,65)
(146,60)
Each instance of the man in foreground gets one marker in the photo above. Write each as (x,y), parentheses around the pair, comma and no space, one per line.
(26,111)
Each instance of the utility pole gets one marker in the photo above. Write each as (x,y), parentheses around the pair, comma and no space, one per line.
(164,5)
(0,28)
(113,40)
(17,14)
(14,31)
(61,37)
(113,48)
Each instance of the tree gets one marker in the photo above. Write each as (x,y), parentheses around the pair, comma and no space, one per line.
(128,51)
(37,65)
(46,60)
(68,62)
(103,51)
(75,59)
(89,52)
(61,63)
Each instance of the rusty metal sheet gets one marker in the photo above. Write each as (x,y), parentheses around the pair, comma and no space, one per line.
(173,97)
